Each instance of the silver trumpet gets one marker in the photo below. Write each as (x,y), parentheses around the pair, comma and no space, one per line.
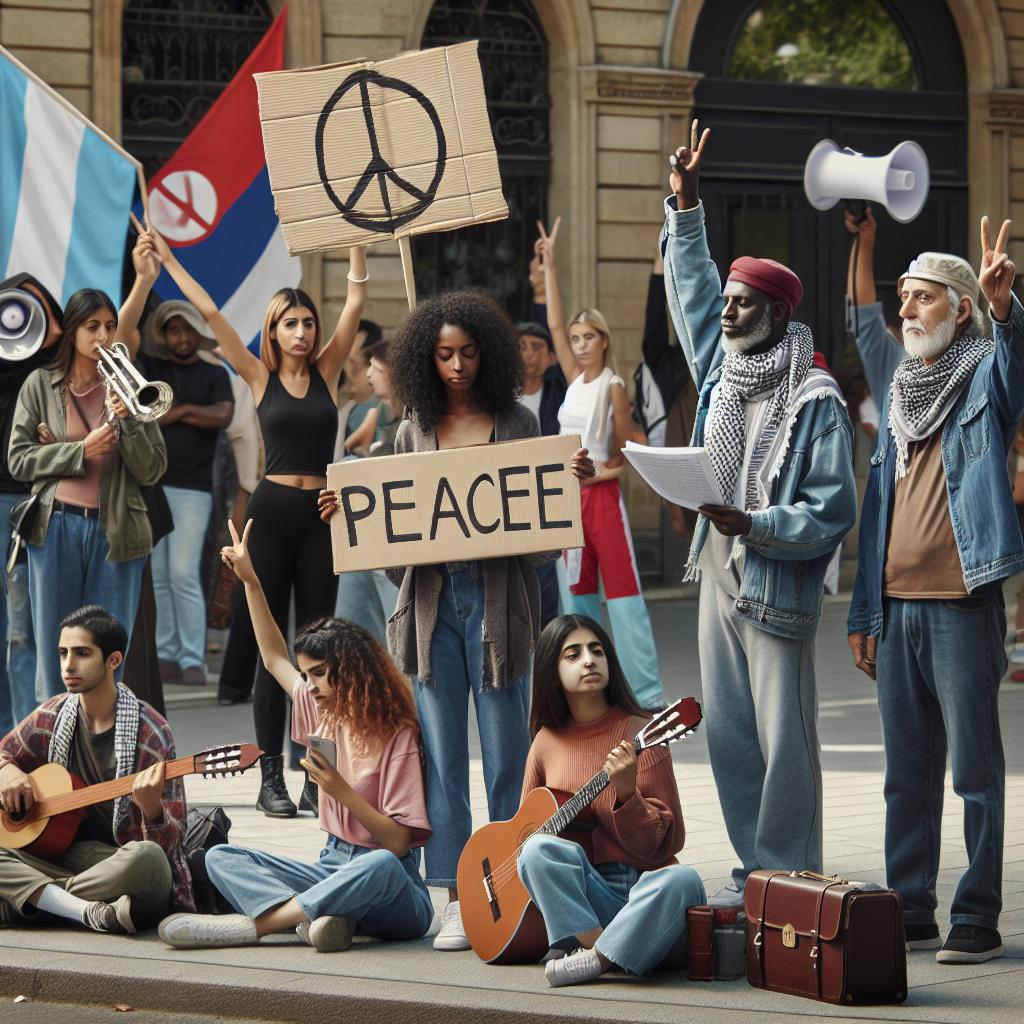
(145,400)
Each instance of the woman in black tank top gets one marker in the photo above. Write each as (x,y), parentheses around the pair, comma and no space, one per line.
(294,383)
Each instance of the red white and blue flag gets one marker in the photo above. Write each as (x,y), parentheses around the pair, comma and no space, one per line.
(213,204)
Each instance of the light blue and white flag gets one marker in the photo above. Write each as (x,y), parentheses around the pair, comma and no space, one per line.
(65,190)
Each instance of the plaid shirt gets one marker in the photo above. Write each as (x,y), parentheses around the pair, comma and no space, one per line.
(27,746)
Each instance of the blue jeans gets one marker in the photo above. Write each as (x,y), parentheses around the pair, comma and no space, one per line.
(69,570)
(17,645)
(643,914)
(177,586)
(939,668)
(384,894)
(456,660)
(368,599)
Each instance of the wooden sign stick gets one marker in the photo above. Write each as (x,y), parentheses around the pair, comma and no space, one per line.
(405,248)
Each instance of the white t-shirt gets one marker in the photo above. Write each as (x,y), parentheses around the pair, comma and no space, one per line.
(532,402)
(574,415)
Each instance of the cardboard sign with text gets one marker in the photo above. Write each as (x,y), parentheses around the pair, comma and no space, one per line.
(512,498)
(370,150)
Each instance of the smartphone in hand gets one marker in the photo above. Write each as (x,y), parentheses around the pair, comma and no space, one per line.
(325,748)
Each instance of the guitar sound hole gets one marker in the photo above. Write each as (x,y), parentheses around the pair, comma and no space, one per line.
(16,816)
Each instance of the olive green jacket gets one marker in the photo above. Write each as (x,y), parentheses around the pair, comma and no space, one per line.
(139,458)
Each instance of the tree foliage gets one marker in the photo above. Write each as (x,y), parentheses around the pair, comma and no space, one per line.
(824,42)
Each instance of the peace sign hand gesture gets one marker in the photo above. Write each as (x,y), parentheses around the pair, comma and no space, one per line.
(544,247)
(684,178)
(237,554)
(997,272)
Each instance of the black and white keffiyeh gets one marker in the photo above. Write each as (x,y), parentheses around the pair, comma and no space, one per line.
(126,740)
(777,373)
(920,397)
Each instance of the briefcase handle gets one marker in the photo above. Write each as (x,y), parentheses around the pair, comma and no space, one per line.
(818,877)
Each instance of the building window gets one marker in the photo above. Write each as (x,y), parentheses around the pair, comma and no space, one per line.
(824,42)
(514,59)
(176,58)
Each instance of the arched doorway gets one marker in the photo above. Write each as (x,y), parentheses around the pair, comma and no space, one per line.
(514,59)
(176,58)
(782,74)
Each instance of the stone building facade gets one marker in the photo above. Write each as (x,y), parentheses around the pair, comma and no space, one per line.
(623,86)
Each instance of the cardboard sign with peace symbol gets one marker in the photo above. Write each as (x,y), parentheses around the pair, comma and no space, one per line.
(366,151)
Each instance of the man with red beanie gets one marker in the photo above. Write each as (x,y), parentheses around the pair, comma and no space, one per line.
(780,442)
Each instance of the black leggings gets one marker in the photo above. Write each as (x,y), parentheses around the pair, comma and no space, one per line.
(290,548)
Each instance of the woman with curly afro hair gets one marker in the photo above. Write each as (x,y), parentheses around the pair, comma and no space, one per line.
(355,711)
(464,629)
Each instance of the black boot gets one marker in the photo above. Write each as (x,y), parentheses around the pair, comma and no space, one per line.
(273,800)
(310,798)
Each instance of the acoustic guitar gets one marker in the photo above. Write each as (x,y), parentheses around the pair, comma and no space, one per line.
(501,922)
(61,799)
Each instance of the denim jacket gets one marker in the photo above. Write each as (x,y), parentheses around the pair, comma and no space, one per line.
(812,493)
(975,440)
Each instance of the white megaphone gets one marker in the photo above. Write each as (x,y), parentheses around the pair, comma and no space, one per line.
(898,181)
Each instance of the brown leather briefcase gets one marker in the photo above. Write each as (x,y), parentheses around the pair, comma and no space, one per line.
(824,938)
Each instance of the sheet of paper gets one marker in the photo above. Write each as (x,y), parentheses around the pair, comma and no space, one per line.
(682,476)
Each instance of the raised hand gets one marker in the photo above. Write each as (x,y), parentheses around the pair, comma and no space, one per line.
(544,247)
(144,255)
(684,177)
(997,270)
(236,554)
(865,228)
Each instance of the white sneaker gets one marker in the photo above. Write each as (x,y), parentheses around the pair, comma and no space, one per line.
(203,931)
(727,896)
(583,965)
(327,934)
(452,936)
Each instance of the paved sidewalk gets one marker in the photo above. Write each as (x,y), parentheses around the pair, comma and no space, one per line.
(379,982)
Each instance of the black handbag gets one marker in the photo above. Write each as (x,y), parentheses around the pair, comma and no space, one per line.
(23,517)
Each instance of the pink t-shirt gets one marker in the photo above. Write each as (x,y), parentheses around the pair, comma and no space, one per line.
(391,782)
(85,490)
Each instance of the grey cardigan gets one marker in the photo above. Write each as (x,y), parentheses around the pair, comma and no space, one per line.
(511,592)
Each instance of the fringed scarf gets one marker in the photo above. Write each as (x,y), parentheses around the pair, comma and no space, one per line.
(126,740)
(920,397)
(778,373)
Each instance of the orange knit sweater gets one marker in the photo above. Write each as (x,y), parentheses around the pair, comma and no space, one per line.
(647,830)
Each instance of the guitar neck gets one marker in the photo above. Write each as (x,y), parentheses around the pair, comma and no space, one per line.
(578,802)
(101,792)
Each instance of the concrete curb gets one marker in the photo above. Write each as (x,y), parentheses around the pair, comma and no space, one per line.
(302,997)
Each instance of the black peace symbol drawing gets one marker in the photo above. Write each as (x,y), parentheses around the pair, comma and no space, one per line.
(378,167)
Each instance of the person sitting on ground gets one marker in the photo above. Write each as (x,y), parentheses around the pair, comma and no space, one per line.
(126,867)
(626,906)
(347,692)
